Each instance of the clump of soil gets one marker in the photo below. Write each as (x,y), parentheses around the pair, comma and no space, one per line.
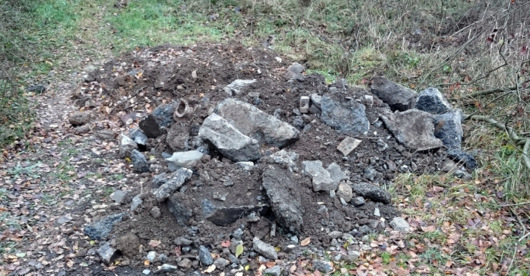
(132,86)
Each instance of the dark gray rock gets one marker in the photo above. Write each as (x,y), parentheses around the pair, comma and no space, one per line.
(205,256)
(284,197)
(464,157)
(228,140)
(221,263)
(107,253)
(413,128)
(358,201)
(182,241)
(164,114)
(138,136)
(395,95)
(448,128)
(101,229)
(235,87)
(322,180)
(264,249)
(139,162)
(256,124)
(432,101)
(136,202)
(38,88)
(180,211)
(150,127)
(372,192)
(322,266)
(79,118)
(346,116)
(174,181)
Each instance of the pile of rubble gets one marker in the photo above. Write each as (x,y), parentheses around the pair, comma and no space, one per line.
(263,161)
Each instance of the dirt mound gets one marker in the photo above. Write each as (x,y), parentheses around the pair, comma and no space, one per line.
(278,191)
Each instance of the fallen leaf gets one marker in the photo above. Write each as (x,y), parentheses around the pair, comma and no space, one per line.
(305,241)
(239,249)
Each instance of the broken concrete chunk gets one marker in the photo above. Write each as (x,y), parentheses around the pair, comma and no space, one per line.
(79,118)
(304,104)
(138,136)
(107,252)
(413,128)
(178,136)
(348,145)
(118,196)
(346,116)
(401,225)
(185,159)
(284,157)
(246,166)
(234,88)
(322,180)
(316,99)
(174,181)
(432,101)
(284,197)
(375,193)
(136,202)
(228,140)
(336,173)
(268,251)
(395,95)
(127,145)
(253,122)
(163,114)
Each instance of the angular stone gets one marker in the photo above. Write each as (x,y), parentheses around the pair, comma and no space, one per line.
(316,100)
(246,166)
(372,192)
(178,136)
(221,263)
(136,202)
(284,157)
(139,162)
(118,196)
(173,182)
(336,173)
(228,140)
(432,101)
(273,271)
(163,114)
(257,124)
(127,145)
(322,180)
(181,212)
(348,145)
(264,249)
(101,229)
(346,116)
(358,201)
(138,136)
(79,118)
(205,256)
(461,156)
(234,88)
(395,95)
(400,224)
(186,159)
(345,191)
(284,197)
(448,128)
(107,253)
(150,127)
(413,128)
(304,104)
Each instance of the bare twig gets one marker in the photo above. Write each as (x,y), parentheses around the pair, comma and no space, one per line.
(490,91)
